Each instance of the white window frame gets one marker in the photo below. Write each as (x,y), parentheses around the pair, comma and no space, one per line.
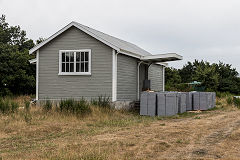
(74,73)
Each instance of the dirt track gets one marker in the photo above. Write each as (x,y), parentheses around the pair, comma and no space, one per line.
(209,136)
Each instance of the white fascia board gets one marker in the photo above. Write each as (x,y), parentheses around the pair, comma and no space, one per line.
(162,64)
(162,56)
(130,54)
(31,61)
(64,29)
(89,33)
(50,38)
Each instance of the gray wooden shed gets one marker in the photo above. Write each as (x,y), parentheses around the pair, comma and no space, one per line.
(78,61)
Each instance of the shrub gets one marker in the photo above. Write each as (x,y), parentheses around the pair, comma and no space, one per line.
(76,107)
(94,102)
(47,106)
(82,107)
(27,105)
(7,106)
(14,107)
(236,102)
(1,105)
(104,101)
(230,100)
(182,87)
(222,94)
(218,103)
(66,105)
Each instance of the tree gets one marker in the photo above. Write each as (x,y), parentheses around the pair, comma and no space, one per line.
(228,78)
(186,73)
(40,40)
(217,77)
(172,76)
(207,75)
(17,76)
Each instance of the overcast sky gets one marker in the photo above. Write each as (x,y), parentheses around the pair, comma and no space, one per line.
(195,29)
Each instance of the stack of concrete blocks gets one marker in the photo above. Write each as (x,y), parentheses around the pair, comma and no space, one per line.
(189,101)
(167,103)
(212,100)
(195,101)
(182,102)
(172,103)
(144,104)
(209,100)
(161,104)
(203,100)
(148,104)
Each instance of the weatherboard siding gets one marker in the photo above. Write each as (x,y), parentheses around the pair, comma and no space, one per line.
(54,86)
(155,74)
(126,78)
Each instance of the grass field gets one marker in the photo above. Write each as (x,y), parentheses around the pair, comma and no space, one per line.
(116,134)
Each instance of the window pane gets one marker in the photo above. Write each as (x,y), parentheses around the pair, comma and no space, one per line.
(63,67)
(78,56)
(86,66)
(67,56)
(75,63)
(86,56)
(67,67)
(82,56)
(63,57)
(78,67)
(82,67)
(71,67)
(71,57)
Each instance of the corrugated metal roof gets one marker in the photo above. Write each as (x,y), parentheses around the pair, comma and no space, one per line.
(121,44)
(113,42)
(117,44)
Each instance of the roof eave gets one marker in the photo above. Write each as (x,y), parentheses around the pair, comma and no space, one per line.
(32,61)
(64,29)
(131,54)
(162,57)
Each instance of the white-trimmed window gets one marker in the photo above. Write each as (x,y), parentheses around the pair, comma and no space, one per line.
(75,62)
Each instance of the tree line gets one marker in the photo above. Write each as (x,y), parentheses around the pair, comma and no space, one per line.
(213,77)
(17,75)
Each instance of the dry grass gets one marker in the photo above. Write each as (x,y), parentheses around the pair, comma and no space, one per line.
(112,134)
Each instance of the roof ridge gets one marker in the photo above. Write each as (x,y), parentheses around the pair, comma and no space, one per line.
(112,36)
(111,41)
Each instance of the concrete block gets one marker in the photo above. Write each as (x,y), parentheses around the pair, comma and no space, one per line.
(209,100)
(171,104)
(144,104)
(196,101)
(151,104)
(189,101)
(182,99)
(203,100)
(161,104)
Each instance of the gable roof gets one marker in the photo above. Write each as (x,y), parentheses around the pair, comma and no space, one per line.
(113,42)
